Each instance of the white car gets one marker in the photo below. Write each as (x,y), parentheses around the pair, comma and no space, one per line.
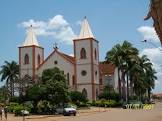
(25,112)
(69,111)
(66,110)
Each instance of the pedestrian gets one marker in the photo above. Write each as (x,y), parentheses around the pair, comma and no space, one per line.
(5,112)
(1,113)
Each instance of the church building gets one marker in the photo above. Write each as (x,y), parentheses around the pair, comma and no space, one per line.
(84,72)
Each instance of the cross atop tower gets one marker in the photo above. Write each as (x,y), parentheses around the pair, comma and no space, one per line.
(31,38)
(55,45)
(85,31)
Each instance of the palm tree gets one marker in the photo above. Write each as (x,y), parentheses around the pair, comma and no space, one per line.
(137,78)
(2,94)
(143,76)
(9,73)
(129,56)
(123,56)
(150,80)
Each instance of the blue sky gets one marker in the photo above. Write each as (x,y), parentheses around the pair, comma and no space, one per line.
(111,21)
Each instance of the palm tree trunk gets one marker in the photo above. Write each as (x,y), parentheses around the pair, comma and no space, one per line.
(119,82)
(149,94)
(7,92)
(123,86)
(131,87)
(11,89)
(127,87)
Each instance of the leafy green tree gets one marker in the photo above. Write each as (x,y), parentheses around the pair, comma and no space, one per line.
(56,85)
(77,97)
(9,73)
(24,84)
(53,88)
(35,94)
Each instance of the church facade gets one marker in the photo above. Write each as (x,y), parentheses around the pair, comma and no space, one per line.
(84,72)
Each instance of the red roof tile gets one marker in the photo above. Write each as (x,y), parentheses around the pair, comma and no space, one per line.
(106,68)
(158,94)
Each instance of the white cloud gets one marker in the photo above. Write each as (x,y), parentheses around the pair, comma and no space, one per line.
(71,54)
(154,54)
(157,82)
(56,27)
(148,33)
(79,23)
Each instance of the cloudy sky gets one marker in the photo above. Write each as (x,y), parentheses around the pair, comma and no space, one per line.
(112,22)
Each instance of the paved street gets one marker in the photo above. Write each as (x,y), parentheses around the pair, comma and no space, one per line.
(97,114)
(124,115)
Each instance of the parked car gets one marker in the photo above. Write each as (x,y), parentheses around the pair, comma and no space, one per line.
(24,112)
(69,111)
(66,110)
(152,101)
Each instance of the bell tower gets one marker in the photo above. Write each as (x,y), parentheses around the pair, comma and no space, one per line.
(86,53)
(31,55)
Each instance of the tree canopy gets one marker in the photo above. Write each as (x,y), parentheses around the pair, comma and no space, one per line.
(137,72)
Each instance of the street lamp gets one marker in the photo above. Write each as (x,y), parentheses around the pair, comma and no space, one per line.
(23,94)
(146,41)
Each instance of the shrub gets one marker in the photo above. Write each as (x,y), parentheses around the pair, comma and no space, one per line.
(106,103)
(1,104)
(15,99)
(11,106)
(133,98)
(44,107)
(18,109)
(109,96)
(83,104)
(77,97)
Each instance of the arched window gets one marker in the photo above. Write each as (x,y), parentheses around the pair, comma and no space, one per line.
(95,52)
(39,59)
(100,81)
(68,78)
(84,92)
(83,53)
(26,59)
(73,80)
(97,93)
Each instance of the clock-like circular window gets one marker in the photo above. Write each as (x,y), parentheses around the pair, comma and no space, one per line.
(84,73)
(55,62)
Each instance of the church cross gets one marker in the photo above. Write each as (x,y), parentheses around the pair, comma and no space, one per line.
(55,46)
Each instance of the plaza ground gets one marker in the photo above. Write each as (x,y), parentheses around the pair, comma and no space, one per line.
(101,114)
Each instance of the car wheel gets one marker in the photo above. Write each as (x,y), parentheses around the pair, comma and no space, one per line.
(64,114)
(74,114)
